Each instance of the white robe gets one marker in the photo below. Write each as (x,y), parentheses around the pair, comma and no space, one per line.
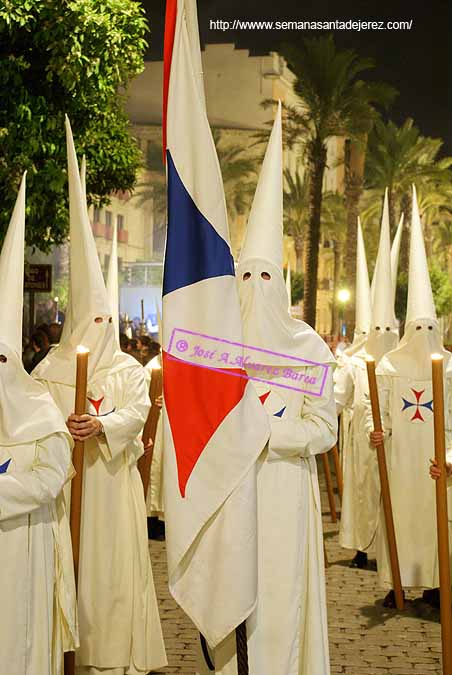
(409,446)
(287,632)
(38,619)
(154,501)
(361,498)
(119,621)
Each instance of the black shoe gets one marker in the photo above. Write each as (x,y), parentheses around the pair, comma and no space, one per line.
(390,601)
(359,561)
(156,529)
(431,597)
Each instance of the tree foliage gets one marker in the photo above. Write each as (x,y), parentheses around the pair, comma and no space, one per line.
(397,157)
(441,289)
(334,101)
(73,57)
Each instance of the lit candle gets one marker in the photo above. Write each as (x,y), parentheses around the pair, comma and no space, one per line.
(150,428)
(441,513)
(384,483)
(81,383)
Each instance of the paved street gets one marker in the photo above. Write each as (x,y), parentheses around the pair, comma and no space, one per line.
(365,639)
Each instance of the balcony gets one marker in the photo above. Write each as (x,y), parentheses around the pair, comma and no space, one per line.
(123,236)
(98,229)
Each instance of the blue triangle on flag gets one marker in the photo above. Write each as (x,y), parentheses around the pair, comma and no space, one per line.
(194,249)
(4,467)
(280,413)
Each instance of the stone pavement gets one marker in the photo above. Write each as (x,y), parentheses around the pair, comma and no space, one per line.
(365,638)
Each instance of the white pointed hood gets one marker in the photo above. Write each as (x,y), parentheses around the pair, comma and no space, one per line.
(385,226)
(12,276)
(113,282)
(384,334)
(395,253)
(263,302)
(265,241)
(363,310)
(27,412)
(422,336)
(420,304)
(289,285)
(88,315)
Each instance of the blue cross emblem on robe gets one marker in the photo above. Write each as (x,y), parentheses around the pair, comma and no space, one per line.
(418,405)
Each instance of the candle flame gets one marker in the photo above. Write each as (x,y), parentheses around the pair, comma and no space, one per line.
(369,358)
(437,357)
(82,350)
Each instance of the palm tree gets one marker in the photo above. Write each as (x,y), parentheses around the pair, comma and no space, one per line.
(332,100)
(334,228)
(397,157)
(296,212)
(238,168)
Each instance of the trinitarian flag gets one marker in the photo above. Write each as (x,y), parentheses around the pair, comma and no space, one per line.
(215,427)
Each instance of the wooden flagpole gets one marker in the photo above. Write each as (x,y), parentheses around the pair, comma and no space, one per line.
(150,428)
(441,513)
(338,470)
(329,487)
(241,641)
(81,384)
(384,482)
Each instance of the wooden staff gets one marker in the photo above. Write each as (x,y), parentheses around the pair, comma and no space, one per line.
(329,487)
(441,513)
(150,428)
(338,470)
(384,482)
(81,383)
(241,642)
(143,330)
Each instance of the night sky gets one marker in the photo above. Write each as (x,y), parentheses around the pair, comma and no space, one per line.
(417,62)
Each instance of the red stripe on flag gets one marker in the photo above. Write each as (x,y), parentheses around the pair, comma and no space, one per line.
(170,29)
(197,400)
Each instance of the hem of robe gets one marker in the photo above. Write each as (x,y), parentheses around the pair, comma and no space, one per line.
(313,647)
(147,644)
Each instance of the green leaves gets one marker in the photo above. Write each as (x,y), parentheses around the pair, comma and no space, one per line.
(334,101)
(57,57)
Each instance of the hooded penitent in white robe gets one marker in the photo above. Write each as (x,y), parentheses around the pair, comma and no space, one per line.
(287,631)
(375,334)
(38,621)
(405,391)
(154,501)
(120,630)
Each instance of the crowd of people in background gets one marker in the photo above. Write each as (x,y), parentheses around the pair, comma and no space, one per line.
(47,335)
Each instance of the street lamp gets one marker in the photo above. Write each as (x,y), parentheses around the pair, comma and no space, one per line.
(343,296)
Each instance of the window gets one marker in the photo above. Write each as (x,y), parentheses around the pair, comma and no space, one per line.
(96,214)
(108,218)
(120,222)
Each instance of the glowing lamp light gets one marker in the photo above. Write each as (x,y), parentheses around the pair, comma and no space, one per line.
(343,295)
